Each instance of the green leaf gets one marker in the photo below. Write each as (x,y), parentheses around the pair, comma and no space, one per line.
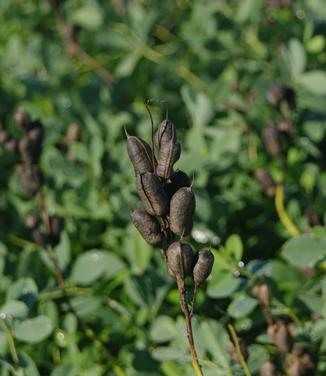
(314,81)
(242,306)
(297,57)
(223,285)
(33,330)
(63,250)
(163,329)
(234,247)
(93,264)
(15,309)
(22,288)
(304,251)
(90,16)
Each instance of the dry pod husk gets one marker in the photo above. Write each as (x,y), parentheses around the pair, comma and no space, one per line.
(147,225)
(280,335)
(271,139)
(22,120)
(165,134)
(169,154)
(203,267)
(140,154)
(56,225)
(278,93)
(4,136)
(32,220)
(268,369)
(266,181)
(180,258)
(182,207)
(178,179)
(151,192)
(11,145)
(30,178)
(263,293)
(29,149)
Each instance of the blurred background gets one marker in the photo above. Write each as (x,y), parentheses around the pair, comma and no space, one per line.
(245,84)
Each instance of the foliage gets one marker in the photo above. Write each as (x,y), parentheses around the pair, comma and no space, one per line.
(213,62)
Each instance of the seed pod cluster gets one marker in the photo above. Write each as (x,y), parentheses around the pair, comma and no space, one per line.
(168,203)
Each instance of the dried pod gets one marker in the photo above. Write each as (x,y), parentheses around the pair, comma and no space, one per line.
(313,217)
(56,225)
(29,149)
(233,353)
(182,208)
(263,293)
(140,154)
(180,258)
(268,369)
(293,366)
(22,120)
(72,135)
(32,221)
(4,136)
(147,225)
(178,179)
(271,139)
(203,266)
(39,238)
(151,192)
(30,178)
(266,181)
(165,134)
(11,145)
(35,134)
(278,93)
(280,335)
(169,154)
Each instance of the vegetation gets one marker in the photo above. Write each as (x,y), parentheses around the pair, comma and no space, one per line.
(81,293)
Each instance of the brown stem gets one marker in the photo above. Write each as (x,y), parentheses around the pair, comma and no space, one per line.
(185,310)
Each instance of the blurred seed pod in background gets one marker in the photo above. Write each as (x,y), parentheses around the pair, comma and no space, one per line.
(165,134)
(151,192)
(271,139)
(22,120)
(147,225)
(180,258)
(39,238)
(178,179)
(29,149)
(56,225)
(266,181)
(4,136)
(268,369)
(233,353)
(280,335)
(203,266)
(169,154)
(182,208)
(279,93)
(30,178)
(32,220)
(11,145)
(263,293)
(140,154)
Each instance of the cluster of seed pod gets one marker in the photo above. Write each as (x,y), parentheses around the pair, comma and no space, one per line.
(168,203)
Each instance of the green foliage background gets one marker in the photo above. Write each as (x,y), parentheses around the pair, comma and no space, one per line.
(213,62)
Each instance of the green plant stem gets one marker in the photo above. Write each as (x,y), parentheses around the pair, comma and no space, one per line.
(238,350)
(11,342)
(281,211)
(185,310)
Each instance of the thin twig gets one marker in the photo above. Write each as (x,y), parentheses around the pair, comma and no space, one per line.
(11,342)
(185,310)
(238,350)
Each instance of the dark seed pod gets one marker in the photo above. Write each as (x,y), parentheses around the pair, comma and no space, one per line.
(56,225)
(203,266)
(140,154)
(266,181)
(4,136)
(180,259)
(268,369)
(32,221)
(29,149)
(151,192)
(178,180)
(280,335)
(30,178)
(182,208)
(165,134)
(278,93)
(39,238)
(271,139)
(11,145)
(263,293)
(22,120)
(36,133)
(147,225)
(169,154)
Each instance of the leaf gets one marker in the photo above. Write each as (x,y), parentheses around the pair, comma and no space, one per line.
(234,247)
(15,309)
(33,330)
(93,264)
(297,57)
(63,250)
(89,16)
(304,251)
(242,306)
(314,81)
(223,285)
(163,329)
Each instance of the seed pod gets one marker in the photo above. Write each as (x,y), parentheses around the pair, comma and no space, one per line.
(151,192)
(147,225)
(180,259)
(30,178)
(268,369)
(32,221)
(266,181)
(165,134)
(4,136)
(271,139)
(263,293)
(35,134)
(182,207)
(39,238)
(280,335)
(29,149)
(203,266)
(140,154)
(11,145)
(169,154)
(22,120)
(56,225)
(72,135)
(178,180)
(278,93)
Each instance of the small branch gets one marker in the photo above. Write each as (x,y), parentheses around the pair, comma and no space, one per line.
(238,350)
(11,342)
(281,211)
(185,310)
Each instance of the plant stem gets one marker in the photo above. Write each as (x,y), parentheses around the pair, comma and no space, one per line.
(238,350)
(11,342)
(185,310)
(281,211)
